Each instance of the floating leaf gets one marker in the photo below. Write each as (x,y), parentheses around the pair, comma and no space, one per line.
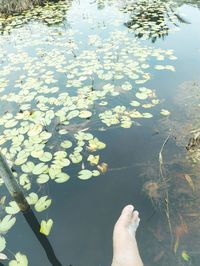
(95,173)
(159,67)
(62,177)
(2,243)
(85,114)
(141,95)
(94,160)
(13,208)
(6,223)
(42,204)
(165,112)
(135,103)
(3,256)
(32,198)
(28,167)
(46,157)
(39,169)
(103,167)
(35,130)
(10,123)
(45,227)
(66,144)
(85,174)
(95,144)
(42,179)
(20,161)
(185,255)
(20,260)
(147,115)
(76,157)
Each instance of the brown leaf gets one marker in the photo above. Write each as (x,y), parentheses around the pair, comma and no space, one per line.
(103,167)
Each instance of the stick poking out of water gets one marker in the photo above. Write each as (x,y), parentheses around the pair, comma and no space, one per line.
(17,194)
(12,185)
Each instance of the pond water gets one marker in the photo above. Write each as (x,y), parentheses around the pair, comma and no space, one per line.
(82,79)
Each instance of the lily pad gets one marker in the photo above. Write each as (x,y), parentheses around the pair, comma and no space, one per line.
(2,243)
(42,179)
(39,168)
(46,226)
(20,260)
(61,178)
(85,174)
(42,204)
(6,223)
(85,114)
(13,208)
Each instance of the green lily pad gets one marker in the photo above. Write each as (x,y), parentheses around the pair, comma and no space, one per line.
(32,198)
(2,243)
(20,260)
(6,223)
(42,204)
(61,178)
(13,208)
(141,95)
(66,144)
(165,112)
(85,174)
(39,168)
(42,179)
(46,157)
(85,114)
(28,167)
(76,157)
(46,226)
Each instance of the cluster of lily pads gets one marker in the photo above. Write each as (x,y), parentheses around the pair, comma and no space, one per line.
(50,13)
(152,19)
(54,90)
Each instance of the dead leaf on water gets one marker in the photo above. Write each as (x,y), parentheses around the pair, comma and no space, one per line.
(103,167)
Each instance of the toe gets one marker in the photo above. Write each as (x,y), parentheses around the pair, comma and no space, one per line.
(126,215)
(135,220)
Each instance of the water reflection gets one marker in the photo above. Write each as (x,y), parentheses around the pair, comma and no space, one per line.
(85,211)
(153,19)
(53,13)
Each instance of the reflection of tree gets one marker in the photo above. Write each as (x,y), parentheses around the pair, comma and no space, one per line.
(11,6)
(153,19)
(51,13)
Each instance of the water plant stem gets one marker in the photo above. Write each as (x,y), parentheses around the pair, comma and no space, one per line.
(161,163)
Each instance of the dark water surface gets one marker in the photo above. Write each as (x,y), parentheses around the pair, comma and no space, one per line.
(85,211)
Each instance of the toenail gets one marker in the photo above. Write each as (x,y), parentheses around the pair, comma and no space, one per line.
(129,207)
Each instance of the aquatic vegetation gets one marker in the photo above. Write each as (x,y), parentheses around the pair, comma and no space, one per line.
(20,259)
(50,13)
(46,226)
(181,170)
(152,19)
(57,92)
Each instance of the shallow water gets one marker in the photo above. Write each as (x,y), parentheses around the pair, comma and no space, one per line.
(84,211)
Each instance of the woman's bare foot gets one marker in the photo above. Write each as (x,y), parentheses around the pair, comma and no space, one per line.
(125,250)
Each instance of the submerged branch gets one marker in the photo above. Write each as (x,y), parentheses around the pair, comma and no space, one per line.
(161,163)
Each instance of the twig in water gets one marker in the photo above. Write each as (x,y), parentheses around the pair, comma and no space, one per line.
(161,162)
